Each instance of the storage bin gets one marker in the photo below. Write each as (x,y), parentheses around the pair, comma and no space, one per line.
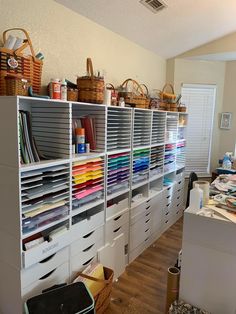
(71,299)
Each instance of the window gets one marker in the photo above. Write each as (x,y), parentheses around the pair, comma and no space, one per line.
(200,101)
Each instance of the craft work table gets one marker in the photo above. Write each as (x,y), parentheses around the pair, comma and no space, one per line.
(208,269)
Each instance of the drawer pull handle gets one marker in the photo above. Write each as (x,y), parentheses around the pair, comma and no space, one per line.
(147,221)
(117,218)
(178,204)
(148,207)
(47,275)
(168,196)
(177,212)
(88,235)
(167,213)
(147,230)
(146,239)
(178,197)
(168,205)
(88,248)
(168,189)
(166,221)
(148,214)
(90,260)
(116,230)
(179,190)
(47,259)
(148,200)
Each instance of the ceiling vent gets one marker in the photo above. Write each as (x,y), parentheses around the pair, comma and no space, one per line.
(154,5)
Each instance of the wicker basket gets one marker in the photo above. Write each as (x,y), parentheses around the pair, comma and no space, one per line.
(136,97)
(72,94)
(102,299)
(167,96)
(91,88)
(16,85)
(14,62)
(182,109)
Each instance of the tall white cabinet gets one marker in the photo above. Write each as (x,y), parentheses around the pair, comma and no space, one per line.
(140,155)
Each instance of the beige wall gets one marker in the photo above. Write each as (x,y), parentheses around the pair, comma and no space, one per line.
(221,45)
(67,39)
(202,72)
(228,137)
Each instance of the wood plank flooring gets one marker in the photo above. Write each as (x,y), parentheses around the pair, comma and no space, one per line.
(142,288)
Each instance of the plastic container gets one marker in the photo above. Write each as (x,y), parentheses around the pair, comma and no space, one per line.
(227,162)
(63,90)
(196,198)
(55,89)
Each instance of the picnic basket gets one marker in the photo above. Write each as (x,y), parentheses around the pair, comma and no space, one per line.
(90,87)
(133,94)
(16,63)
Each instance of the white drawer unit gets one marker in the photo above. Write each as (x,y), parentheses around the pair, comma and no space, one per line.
(87,240)
(139,231)
(110,235)
(55,276)
(38,270)
(119,206)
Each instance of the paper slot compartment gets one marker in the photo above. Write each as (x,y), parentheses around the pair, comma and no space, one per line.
(141,127)
(55,276)
(87,184)
(92,119)
(87,221)
(118,172)
(141,161)
(50,127)
(116,205)
(158,127)
(118,128)
(156,161)
(45,249)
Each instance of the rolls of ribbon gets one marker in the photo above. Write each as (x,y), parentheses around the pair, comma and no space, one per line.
(204,186)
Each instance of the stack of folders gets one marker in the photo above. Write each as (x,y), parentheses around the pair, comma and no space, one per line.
(28,150)
(88,180)
(88,123)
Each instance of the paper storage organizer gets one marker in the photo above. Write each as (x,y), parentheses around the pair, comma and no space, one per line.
(61,211)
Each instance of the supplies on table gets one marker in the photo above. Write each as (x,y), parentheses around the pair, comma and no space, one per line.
(90,86)
(13,61)
(99,280)
(180,307)
(133,94)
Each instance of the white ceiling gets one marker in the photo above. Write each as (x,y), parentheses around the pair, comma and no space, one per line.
(183,25)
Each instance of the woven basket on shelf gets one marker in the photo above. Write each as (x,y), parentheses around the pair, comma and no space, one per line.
(15,62)
(167,93)
(103,297)
(91,88)
(72,94)
(136,97)
(16,85)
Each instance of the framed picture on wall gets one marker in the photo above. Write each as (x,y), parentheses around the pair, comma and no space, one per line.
(225,121)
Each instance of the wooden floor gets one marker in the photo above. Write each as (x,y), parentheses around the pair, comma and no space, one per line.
(142,288)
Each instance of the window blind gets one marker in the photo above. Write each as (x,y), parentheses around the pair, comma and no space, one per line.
(200,101)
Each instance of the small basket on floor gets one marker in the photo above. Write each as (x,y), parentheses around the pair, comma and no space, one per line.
(103,297)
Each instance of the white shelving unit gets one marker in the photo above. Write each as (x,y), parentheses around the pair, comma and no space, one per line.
(122,187)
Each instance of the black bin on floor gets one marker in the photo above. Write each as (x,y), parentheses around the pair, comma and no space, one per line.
(68,299)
